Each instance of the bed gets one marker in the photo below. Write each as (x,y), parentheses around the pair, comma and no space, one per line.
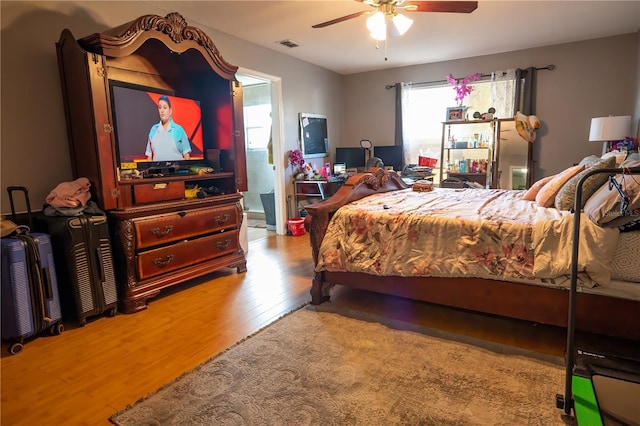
(482,250)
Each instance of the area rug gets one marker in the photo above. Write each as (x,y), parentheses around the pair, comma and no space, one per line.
(317,366)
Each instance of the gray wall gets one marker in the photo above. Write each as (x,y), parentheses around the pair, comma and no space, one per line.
(34,149)
(592,78)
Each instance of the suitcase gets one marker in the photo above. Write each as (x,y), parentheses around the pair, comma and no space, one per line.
(84,263)
(29,287)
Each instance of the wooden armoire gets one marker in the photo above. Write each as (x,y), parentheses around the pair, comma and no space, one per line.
(160,237)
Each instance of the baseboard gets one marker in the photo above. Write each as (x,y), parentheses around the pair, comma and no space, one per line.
(258,215)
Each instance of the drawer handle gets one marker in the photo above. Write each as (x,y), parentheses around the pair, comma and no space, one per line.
(222,219)
(157,233)
(223,245)
(159,262)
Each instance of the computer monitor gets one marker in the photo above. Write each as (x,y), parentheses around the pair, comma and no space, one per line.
(352,157)
(390,155)
(339,169)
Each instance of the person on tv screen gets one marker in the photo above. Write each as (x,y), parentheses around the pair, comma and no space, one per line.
(167,139)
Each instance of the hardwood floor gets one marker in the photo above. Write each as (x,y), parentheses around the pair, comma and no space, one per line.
(87,373)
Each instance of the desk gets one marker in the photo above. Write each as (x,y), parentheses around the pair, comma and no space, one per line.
(411,179)
(311,191)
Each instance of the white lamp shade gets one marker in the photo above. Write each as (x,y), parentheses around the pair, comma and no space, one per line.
(377,25)
(400,24)
(604,129)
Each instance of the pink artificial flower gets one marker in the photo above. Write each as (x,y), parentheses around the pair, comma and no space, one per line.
(295,158)
(462,87)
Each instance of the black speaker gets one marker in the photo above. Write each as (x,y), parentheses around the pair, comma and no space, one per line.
(213,159)
(226,163)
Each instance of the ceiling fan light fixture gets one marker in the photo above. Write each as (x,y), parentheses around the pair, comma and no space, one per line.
(400,25)
(377,25)
(379,35)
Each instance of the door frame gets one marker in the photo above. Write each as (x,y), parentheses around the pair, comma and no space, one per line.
(277,131)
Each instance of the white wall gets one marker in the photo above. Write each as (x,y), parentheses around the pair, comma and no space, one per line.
(592,78)
(34,149)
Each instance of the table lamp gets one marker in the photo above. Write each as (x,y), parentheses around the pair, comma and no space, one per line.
(607,129)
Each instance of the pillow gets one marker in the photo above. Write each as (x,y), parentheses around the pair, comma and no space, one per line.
(547,194)
(603,207)
(633,156)
(618,155)
(531,193)
(567,194)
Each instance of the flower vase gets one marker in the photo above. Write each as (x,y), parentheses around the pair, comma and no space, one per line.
(464,112)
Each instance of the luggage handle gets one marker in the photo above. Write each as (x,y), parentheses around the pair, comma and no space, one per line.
(45,273)
(36,276)
(25,191)
(100,263)
(43,277)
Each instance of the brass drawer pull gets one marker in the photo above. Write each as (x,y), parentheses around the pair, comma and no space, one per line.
(157,233)
(223,245)
(221,220)
(159,262)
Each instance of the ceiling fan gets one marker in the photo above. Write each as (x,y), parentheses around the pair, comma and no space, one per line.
(387,11)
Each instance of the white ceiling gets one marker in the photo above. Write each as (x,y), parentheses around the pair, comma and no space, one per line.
(346,48)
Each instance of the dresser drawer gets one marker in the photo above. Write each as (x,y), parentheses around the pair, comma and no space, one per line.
(166,228)
(160,191)
(166,259)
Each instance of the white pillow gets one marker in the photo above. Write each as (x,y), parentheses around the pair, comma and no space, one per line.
(603,207)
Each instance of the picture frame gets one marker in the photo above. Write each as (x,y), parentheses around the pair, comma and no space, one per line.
(456,113)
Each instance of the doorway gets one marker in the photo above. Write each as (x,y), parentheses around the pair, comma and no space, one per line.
(264,200)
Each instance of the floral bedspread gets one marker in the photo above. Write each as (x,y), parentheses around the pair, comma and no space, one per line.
(485,233)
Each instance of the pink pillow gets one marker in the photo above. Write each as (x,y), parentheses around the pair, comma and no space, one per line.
(547,195)
(531,193)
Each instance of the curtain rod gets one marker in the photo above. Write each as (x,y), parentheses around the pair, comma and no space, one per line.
(550,67)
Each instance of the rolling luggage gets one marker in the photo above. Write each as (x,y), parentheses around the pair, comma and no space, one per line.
(29,287)
(84,263)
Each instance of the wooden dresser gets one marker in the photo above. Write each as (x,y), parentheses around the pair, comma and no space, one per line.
(160,237)
(162,244)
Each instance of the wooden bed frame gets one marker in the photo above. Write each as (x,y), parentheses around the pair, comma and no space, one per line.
(594,313)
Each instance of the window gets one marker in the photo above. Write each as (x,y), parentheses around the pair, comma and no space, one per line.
(257,121)
(424,109)
(256,99)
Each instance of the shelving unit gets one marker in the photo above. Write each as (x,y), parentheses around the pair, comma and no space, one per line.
(504,157)
(467,151)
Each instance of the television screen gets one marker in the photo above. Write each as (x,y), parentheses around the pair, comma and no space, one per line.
(390,155)
(352,157)
(153,125)
(314,137)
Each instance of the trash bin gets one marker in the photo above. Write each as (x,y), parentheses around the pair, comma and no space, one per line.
(269,206)
(296,226)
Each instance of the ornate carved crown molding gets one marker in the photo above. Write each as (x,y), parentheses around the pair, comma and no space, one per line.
(127,38)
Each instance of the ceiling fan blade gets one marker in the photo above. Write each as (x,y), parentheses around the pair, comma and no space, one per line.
(344,18)
(440,6)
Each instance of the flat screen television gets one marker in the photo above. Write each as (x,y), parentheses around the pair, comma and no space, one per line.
(314,138)
(390,155)
(352,157)
(135,111)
